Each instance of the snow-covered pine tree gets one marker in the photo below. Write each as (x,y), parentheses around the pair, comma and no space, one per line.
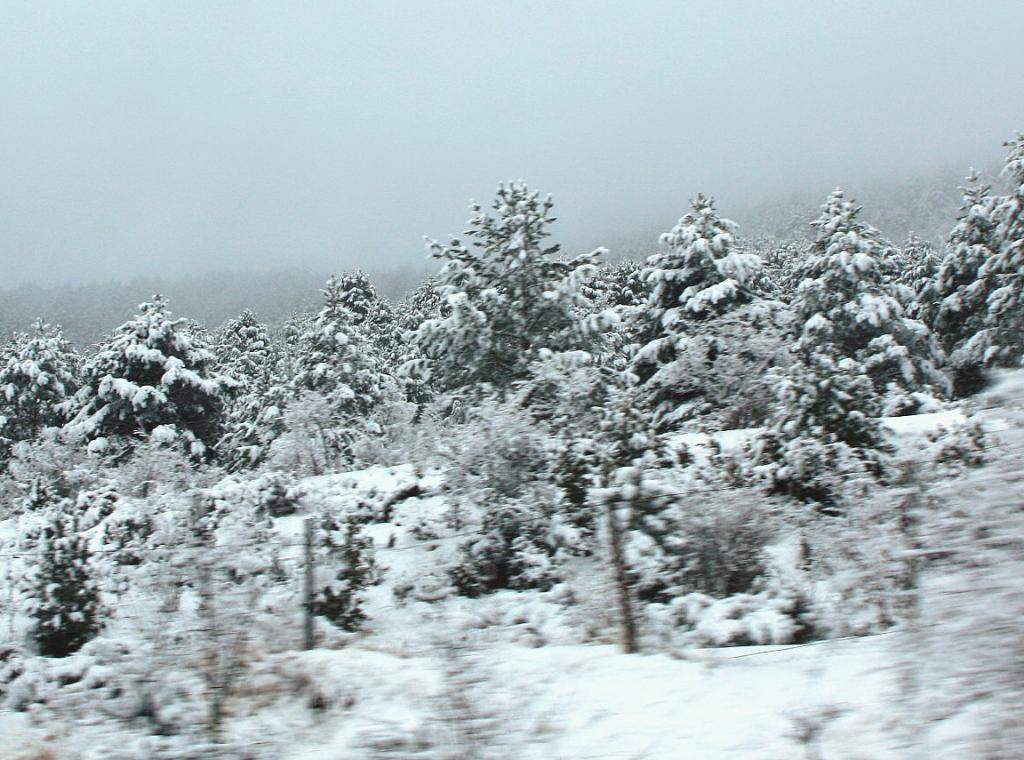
(335,371)
(918,264)
(1005,270)
(846,305)
(617,285)
(954,302)
(150,378)
(422,304)
(700,279)
(376,317)
(38,372)
(246,350)
(779,275)
(826,432)
(335,358)
(64,596)
(508,298)
(701,273)
(254,413)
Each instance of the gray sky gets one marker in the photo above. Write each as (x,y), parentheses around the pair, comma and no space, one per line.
(141,138)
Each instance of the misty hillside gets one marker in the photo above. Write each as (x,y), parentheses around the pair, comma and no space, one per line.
(923,207)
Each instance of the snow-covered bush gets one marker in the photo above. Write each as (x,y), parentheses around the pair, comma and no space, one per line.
(826,437)
(277,494)
(517,546)
(349,558)
(961,445)
(155,464)
(47,465)
(63,598)
(707,542)
(502,491)
(316,436)
(698,619)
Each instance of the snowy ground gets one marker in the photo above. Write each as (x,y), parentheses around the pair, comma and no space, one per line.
(507,675)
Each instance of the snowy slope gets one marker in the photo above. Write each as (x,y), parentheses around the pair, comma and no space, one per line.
(537,674)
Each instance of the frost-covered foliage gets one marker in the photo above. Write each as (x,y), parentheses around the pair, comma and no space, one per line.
(506,297)
(962,660)
(63,595)
(502,493)
(719,373)
(246,351)
(151,379)
(254,413)
(711,542)
(698,286)
(357,296)
(348,558)
(779,274)
(534,488)
(955,301)
(1005,269)
(976,300)
(916,263)
(826,434)
(846,305)
(322,395)
(701,272)
(38,372)
(617,285)
(334,357)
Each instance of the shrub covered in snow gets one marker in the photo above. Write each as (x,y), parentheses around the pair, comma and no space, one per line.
(826,435)
(349,558)
(63,595)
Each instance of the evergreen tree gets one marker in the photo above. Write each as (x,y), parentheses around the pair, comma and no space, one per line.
(826,430)
(65,597)
(424,303)
(373,314)
(918,265)
(508,299)
(334,371)
(254,413)
(697,288)
(151,377)
(701,274)
(1005,269)
(38,373)
(246,351)
(618,285)
(341,601)
(335,358)
(955,301)
(846,305)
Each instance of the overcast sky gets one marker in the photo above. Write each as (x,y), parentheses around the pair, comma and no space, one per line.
(181,136)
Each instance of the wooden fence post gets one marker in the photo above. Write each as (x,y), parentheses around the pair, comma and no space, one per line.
(307,586)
